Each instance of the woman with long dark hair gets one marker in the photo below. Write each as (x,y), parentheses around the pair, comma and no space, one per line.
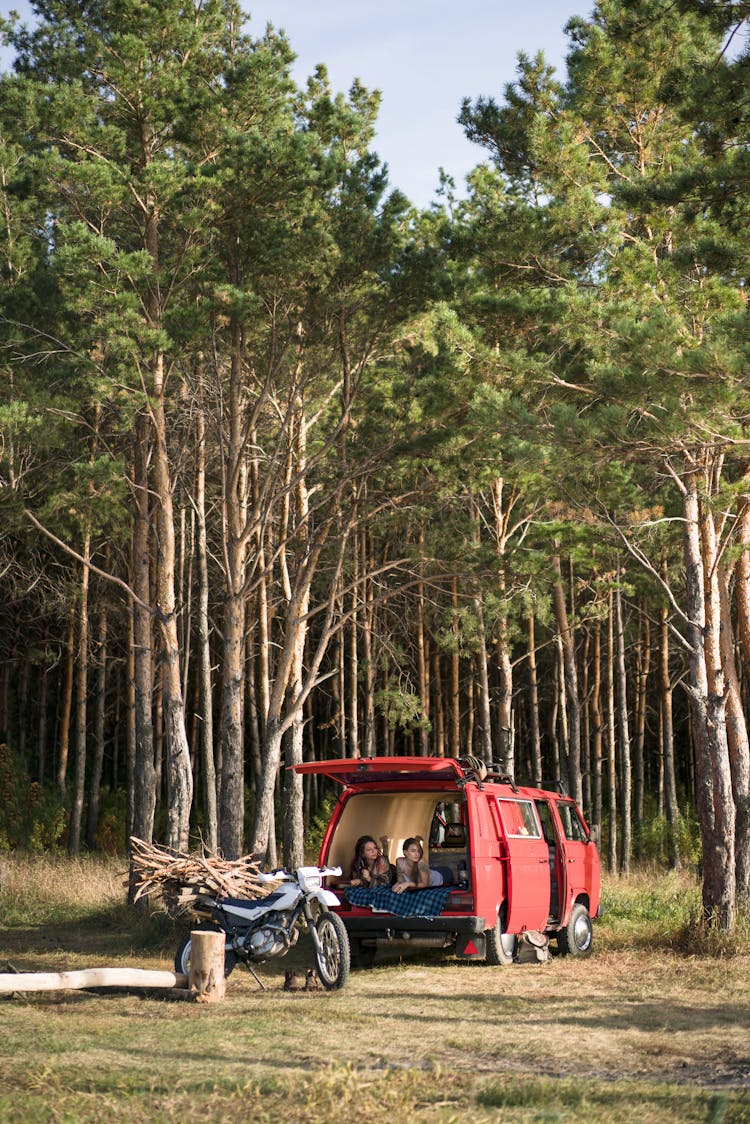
(370,867)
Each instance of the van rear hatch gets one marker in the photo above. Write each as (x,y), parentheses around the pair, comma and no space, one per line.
(355,771)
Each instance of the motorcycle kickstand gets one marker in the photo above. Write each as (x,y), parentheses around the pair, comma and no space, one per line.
(255,976)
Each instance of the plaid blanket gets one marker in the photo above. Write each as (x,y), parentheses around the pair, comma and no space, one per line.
(412,903)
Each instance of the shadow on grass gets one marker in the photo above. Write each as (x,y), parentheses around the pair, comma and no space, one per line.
(116,930)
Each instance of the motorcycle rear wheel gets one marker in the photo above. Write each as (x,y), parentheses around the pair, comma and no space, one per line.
(332,958)
(182,956)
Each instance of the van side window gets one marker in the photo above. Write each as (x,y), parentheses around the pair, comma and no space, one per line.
(518,818)
(545,818)
(573,827)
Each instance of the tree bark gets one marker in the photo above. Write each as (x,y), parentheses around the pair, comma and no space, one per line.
(671,807)
(567,642)
(144,772)
(737,740)
(641,709)
(626,791)
(368,632)
(179,771)
(485,715)
(505,665)
(455,748)
(423,672)
(66,703)
(76,807)
(205,692)
(100,711)
(742,599)
(534,728)
(611,738)
(708,698)
(597,727)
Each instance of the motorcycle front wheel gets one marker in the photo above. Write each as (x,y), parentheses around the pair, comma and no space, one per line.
(332,951)
(182,956)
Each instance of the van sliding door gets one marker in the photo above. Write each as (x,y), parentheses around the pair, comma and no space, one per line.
(527,866)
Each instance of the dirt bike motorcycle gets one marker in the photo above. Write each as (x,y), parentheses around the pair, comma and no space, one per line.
(258,929)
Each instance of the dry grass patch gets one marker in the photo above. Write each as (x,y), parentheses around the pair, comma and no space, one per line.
(426,1037)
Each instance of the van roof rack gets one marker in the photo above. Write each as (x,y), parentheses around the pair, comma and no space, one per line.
(502,778)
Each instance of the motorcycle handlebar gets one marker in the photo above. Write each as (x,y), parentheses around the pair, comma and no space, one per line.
(285,876)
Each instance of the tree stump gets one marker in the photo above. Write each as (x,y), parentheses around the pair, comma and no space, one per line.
(206,973)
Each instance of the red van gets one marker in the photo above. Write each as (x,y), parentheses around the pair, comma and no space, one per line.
(510,859)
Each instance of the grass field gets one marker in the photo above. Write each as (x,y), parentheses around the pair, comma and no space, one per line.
(654,1027)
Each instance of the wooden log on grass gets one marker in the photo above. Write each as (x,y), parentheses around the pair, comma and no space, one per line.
(206,979)
(90,977)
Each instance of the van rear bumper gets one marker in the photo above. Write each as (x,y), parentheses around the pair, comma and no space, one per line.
(382,923)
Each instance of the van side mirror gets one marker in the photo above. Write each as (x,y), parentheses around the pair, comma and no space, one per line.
(595,834)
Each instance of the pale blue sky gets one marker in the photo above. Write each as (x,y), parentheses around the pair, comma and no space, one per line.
(424,55)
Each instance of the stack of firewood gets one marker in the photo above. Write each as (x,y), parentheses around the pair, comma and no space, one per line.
(188,883)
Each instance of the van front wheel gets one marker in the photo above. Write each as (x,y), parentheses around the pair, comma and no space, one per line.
(577,938)
(501,946)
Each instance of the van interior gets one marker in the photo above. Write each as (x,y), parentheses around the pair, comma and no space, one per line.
(392,817)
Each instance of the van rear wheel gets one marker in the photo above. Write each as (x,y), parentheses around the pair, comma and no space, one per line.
(577,938)
(501,946)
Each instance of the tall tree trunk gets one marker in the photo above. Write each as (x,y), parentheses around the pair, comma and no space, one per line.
(423,672)
(353,633)
(100,711)
(144,772)
(369,661)
(667,737)
(294,827)
(597,727)
(641,708)
(708,698)
(179,772)
(205,692)
(534,728)
(737,739)
(41,735)
(455,674)
(76,807)
(586,722)
(470,707)
(438,733)
(742,598)
(485,716)
(611,738)
(567,641)
(505,665)
(130,743)
(626,789)
(231,810)
(231,807)
(482,682)
(66,703)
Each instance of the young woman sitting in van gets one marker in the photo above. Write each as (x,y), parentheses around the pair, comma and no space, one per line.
(412,871)
(370,867)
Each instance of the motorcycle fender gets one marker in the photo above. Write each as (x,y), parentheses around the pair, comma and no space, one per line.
(325,897)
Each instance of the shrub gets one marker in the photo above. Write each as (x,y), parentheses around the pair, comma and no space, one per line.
(31,816)
(318,825)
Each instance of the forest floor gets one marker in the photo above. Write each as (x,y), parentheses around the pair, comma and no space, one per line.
(638,1032)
